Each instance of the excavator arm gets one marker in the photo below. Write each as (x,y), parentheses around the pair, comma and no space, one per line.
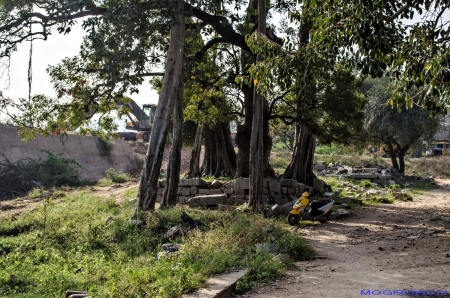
(136,111)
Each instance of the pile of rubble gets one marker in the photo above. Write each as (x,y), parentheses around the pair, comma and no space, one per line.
(375,173)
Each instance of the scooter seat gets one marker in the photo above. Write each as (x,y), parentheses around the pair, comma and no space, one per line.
(320,203)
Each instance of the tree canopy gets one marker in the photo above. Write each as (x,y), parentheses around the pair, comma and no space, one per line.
(398,131)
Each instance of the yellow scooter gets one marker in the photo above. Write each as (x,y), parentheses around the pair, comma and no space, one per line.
(319,210)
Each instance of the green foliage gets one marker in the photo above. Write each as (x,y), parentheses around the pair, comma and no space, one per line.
(115,177)
(366,183)
(105,147)
(80,250)
(56,170)
(279,162)
(398,130)
(382,41)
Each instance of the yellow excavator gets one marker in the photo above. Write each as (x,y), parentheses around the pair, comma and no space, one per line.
(142,121)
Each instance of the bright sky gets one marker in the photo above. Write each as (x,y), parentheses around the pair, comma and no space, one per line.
(51,52)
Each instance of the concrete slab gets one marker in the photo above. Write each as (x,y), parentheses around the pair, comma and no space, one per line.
(220,286)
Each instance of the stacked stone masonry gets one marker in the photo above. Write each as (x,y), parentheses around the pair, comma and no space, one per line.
(197,192)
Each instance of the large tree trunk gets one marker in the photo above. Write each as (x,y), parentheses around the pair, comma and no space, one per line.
(220,158)
(392,155)
(170,194)
(301,166)
(243,136)
(256,143)
(267,143)
(194,165)
(401,161)
(172,76)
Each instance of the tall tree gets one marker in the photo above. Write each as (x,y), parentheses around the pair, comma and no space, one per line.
(399,131)
(170,87)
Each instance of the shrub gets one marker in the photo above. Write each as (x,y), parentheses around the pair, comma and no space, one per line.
(279,162)
(115,177)
(56,170)
(105,147)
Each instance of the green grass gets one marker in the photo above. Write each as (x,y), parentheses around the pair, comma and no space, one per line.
(69,245)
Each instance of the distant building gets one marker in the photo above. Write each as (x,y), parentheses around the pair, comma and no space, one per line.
(442,138)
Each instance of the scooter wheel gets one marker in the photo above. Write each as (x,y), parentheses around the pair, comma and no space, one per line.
(293,219)
(325,217)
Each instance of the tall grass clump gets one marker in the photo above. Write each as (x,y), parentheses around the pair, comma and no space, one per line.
(115,177)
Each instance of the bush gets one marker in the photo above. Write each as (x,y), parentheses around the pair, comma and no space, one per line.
(115,177)
(105,147)
(279,162)
(54,171)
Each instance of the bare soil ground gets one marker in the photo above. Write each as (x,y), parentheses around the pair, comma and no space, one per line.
(401,246)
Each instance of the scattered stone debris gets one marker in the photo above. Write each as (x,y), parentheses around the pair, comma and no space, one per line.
(135,222)
(187,224)
(76,294)
(168,249)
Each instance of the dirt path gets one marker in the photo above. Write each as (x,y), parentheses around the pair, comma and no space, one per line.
(402,246)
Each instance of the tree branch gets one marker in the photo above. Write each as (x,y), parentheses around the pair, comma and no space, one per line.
(395,15)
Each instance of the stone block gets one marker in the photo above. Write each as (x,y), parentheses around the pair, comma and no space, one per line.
(265,199)
(272,194)
(318,185)
(289,182)
(266,183)
(163,183)
(215,191)
(276,210)
(229,184)
(193,190)
(208,200)
(265,191)
(186,191)
(181,200)
(180,190)
(301,188)
(229,191)
(160,191)
(197,182)
(338,200)
(274,185)
(203,191)
(370,170)
(216,184)
(319,167)
(247,197)
(278,199)
(239,197)
(363,176)
(239,191)
(159,199)
(284,190)
(241,183)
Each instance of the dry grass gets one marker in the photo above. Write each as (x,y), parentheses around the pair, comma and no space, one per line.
(438,167)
